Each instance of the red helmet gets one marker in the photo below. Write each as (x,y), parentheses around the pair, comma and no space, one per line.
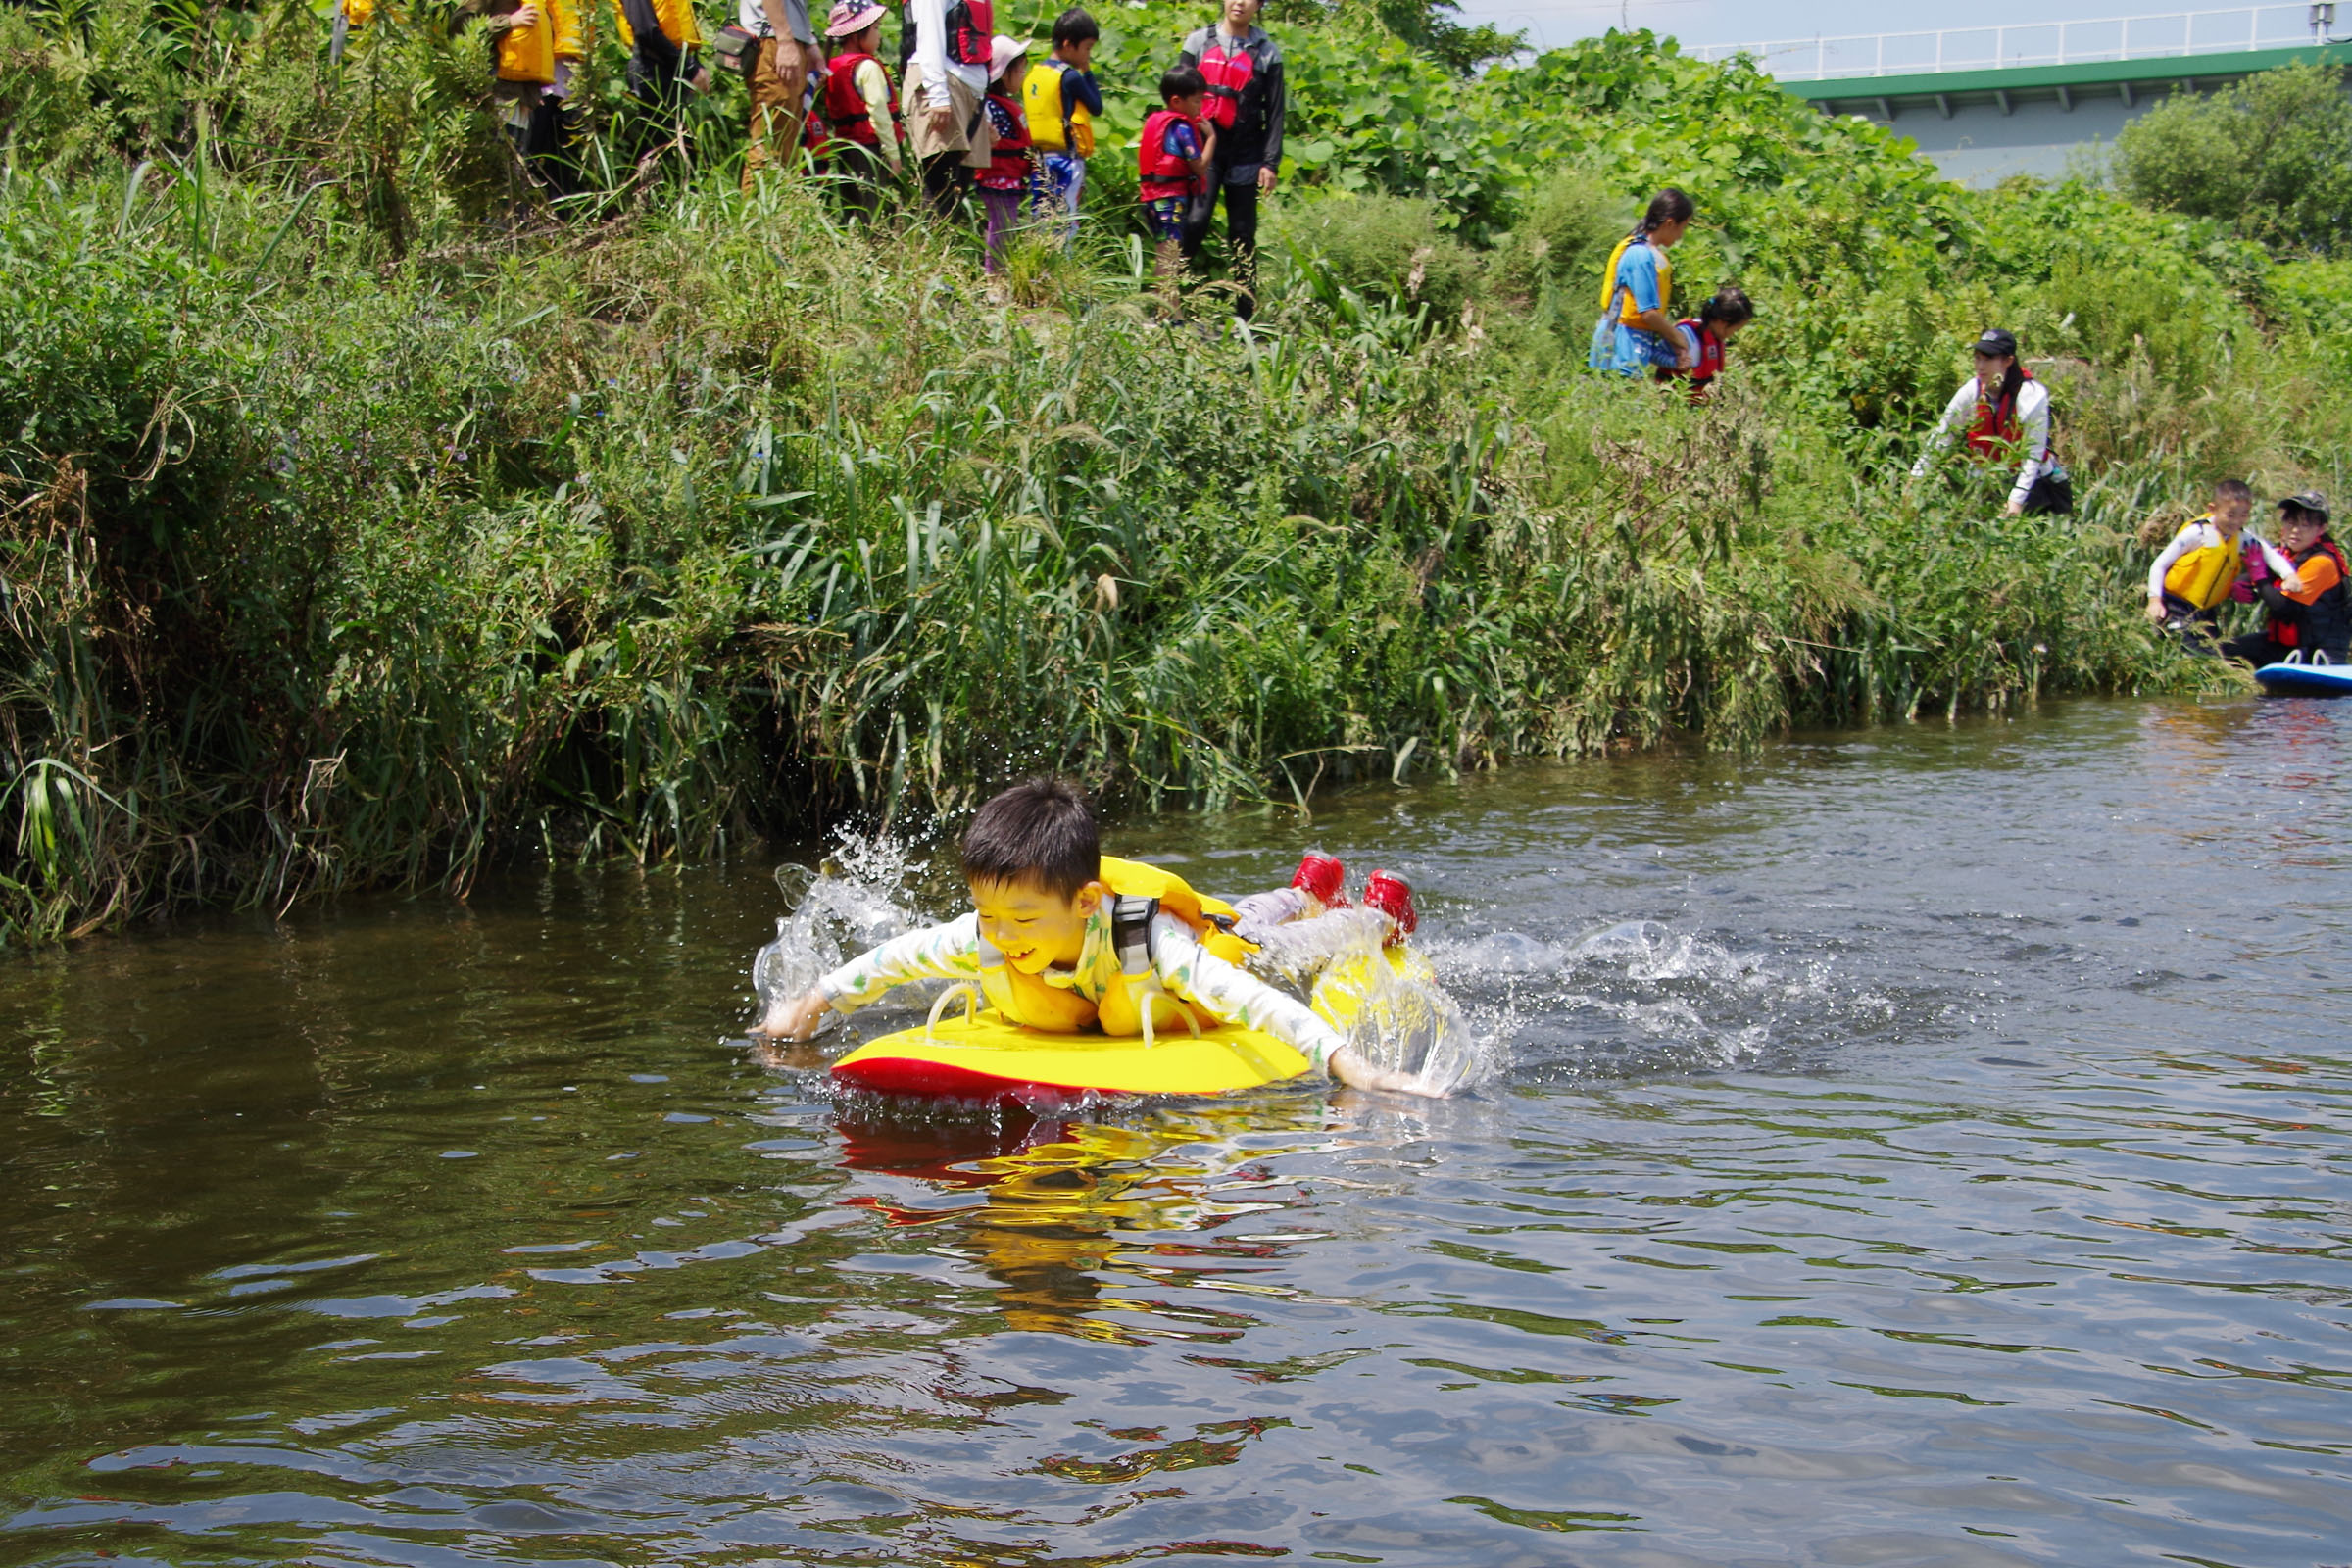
(1388,893)
(1322,877)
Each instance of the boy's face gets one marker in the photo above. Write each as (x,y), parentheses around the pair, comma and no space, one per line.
(2231,515)
(1034,927)
(1079,52)
(1191,104)
(1240,14)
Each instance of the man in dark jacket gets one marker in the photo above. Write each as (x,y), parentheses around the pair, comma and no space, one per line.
(1242,67)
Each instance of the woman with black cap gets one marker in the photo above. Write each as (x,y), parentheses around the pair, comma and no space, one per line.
(2303,587)
(2005,413)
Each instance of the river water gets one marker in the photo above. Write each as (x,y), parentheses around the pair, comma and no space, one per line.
(1908,1146)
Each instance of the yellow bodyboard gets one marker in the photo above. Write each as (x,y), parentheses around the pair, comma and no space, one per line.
(984,1055)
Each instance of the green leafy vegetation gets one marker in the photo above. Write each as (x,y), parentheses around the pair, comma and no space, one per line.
(2271,157)
(367,522)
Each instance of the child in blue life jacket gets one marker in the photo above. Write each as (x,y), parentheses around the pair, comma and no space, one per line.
(1172,160)
(1635,330)
(1044,942)
(1710,331)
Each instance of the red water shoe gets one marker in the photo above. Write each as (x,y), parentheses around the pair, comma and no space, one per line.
(1388,893)
(1322,879)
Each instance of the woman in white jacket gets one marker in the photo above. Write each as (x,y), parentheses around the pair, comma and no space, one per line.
(2005,413)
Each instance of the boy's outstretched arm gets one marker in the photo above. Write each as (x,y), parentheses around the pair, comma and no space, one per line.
(1193,973)
(941,951)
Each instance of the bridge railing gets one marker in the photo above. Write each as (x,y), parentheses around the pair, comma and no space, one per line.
(2034,43)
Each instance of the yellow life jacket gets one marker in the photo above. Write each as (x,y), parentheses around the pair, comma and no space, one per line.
(675,16)
(1026,999)
(358,13)
(2203,576)
(1041,101)
(529,54)
(1630,312)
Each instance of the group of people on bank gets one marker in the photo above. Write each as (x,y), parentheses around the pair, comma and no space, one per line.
(2303,582)
(966,111)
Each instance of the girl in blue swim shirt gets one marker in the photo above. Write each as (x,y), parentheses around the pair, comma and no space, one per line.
(1636,330)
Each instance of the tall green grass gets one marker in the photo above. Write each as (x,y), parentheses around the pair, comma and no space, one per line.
(356,534)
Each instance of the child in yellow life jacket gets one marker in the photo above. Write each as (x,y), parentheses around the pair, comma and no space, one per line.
(1062,103)
(1064,938)
(2199,569)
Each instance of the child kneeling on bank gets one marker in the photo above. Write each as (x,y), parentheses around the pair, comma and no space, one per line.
(1043,943)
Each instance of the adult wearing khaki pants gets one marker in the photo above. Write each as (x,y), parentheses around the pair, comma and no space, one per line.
(943,60)
(788,57)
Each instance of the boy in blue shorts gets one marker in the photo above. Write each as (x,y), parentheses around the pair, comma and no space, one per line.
(1063,103)
(1172,160)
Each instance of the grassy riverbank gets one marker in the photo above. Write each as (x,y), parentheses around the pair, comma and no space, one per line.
(361,532)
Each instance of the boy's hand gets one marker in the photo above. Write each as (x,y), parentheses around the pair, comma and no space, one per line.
(1349,1066)
(794,1018)
(2156,611)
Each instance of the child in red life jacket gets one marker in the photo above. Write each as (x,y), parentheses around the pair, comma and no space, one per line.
(1172,163)
(1009,183)
(861,102)
(1717,322)
(1049,943)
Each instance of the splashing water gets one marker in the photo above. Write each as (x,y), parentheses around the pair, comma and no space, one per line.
(856,902)
(1398,1017)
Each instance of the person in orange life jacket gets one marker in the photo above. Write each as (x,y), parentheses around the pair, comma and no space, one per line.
(1008,185)
(1044,942)
(862,106)
(534,47)
(1636,328)
(1063,103)
(2004,412)
(1246,106)
(1174,158)
(944,61)
(2203,566)
(783,64)
(2303,585)
(1718,321)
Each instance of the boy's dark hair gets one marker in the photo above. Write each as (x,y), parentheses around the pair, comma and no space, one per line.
(1074,25)
(1041,832)
(1181,81)
(1729,305)
(2234,490)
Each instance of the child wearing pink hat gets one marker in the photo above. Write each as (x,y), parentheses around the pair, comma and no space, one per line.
(1007,183)
(861,102)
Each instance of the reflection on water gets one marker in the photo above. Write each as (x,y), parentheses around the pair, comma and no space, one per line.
(1917,1146)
